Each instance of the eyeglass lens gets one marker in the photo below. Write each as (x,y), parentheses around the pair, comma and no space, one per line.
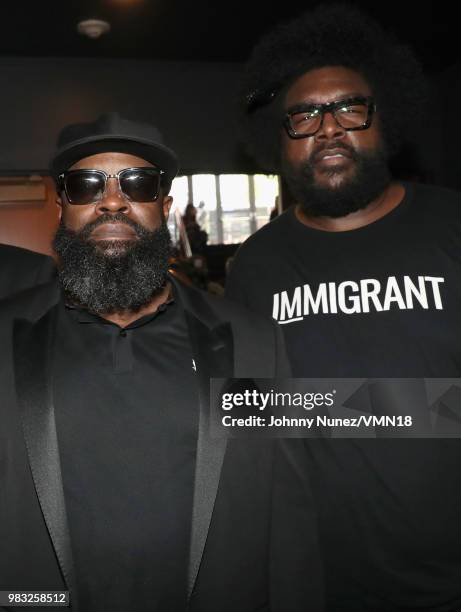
(348,116)
(140,185)
(85,187)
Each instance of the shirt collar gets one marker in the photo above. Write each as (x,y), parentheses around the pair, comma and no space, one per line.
(82,315)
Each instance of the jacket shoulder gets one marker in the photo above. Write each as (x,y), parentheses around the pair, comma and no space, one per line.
(30,303)
(10,252)
(259,347)
(234,312)
(21,268)
(252,332)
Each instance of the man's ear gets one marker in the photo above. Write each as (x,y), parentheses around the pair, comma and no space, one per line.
(59,205)
(166,205)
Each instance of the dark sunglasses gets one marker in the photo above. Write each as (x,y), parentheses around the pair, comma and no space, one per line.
(89,186)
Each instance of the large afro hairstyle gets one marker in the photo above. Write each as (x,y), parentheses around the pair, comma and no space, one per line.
(330,35)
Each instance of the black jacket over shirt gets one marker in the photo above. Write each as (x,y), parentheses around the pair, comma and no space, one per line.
(253,541)
(21,269)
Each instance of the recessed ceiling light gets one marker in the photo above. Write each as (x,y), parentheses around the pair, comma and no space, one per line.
(93,28)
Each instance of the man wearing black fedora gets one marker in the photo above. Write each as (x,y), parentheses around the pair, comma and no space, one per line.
(112,487)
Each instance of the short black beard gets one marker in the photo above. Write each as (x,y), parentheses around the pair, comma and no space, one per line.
(112,276)
(370,179)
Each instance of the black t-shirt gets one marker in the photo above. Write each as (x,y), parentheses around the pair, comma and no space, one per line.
(380,301)
(126,412)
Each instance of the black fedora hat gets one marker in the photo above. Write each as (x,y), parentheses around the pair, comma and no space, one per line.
(112,133)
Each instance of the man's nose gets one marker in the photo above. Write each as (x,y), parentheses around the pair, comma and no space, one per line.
(113,200)
(330,128)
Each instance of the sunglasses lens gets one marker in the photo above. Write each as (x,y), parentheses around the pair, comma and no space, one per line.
(84,187)
(140,185)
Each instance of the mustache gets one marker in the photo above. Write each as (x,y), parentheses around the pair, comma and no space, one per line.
(315,155)
(118,217)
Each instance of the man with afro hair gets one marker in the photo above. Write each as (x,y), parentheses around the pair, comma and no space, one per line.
(363,273)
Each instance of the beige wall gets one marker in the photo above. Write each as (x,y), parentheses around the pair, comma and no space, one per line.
(30,225)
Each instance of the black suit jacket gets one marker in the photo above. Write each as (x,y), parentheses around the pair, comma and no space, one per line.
(253,537)
(21,269)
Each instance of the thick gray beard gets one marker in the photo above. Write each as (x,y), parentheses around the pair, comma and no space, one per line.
(370,179)
(112,276)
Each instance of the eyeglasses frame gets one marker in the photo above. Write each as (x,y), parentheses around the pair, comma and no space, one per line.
(331,107)
(63,175)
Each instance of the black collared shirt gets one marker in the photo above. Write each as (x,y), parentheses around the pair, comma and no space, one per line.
(126,403)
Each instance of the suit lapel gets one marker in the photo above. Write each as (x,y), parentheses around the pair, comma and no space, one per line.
(32,345)
(212,345)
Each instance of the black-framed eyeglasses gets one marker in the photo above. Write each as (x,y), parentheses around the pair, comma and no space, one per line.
(350,114)
(88,186)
